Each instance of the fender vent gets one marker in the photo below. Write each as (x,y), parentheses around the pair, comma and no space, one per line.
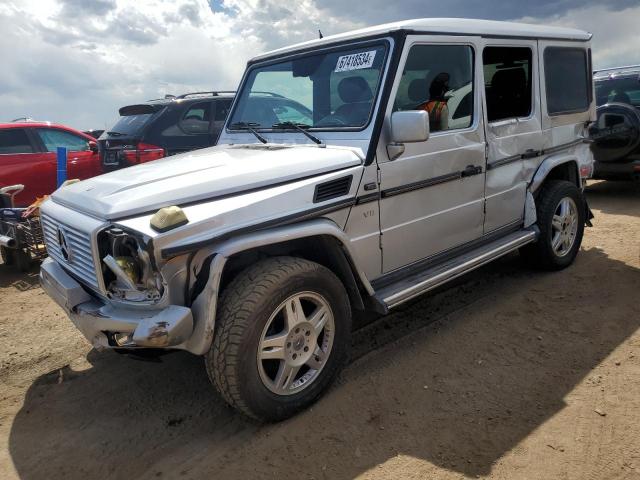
(332,189)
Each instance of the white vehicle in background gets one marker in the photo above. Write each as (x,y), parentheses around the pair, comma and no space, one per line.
(254,253)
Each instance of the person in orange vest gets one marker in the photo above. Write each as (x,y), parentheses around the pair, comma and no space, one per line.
(437,103)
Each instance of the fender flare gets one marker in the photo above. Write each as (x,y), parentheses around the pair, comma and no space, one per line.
(205,304)
(548,165)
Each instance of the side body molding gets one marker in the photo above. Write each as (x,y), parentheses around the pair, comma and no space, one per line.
(204,306)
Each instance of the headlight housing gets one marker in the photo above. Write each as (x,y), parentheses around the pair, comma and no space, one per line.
(127,268)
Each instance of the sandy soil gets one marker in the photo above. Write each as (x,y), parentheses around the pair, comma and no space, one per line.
(510,374)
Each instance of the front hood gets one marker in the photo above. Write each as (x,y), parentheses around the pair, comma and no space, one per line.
(199,175)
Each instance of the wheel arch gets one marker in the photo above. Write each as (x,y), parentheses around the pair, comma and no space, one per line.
(319,240)
(561,167)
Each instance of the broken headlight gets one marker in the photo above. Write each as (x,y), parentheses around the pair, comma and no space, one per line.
(127,267)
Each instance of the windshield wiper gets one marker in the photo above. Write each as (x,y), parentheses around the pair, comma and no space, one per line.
(301,127)
(249,127)
(115,134)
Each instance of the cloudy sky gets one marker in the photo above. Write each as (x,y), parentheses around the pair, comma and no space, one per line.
(77,61)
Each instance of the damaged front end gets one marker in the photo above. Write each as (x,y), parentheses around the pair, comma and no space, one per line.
(127,267)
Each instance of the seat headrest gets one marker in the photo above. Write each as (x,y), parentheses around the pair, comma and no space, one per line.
(508,79)
(354,89)
(418,91)
(621,97)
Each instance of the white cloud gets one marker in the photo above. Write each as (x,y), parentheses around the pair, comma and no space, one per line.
(78,61)
(615,33)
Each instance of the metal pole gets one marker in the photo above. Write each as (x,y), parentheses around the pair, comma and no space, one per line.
(62,165)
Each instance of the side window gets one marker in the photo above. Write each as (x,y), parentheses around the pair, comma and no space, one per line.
(507,82)
(14,140)
(568,80)
(438,79)
(53,139)
(222,110)
(197,118)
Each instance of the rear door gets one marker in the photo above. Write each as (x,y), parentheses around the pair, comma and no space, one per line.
(21,162)
(513,129)
(82,162)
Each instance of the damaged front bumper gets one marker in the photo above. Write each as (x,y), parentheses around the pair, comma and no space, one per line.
(107,326)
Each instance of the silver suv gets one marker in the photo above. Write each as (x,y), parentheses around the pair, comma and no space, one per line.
(405,156)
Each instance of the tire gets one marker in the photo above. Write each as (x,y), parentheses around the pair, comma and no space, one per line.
(7,255)
(23,261)
(616,133)
(264,302)
(555,195)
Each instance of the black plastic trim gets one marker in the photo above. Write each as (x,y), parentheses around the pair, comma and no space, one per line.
(535,153)
(504,161)
(371,197)
(347,180)
(410,187)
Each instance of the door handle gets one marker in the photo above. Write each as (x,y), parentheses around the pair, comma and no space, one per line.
(530,153)
(471,170)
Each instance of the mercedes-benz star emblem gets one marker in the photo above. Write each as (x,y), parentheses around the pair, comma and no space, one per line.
(64,245)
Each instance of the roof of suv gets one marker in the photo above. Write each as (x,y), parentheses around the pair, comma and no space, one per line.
(626,71)
(454,26)
(191,96)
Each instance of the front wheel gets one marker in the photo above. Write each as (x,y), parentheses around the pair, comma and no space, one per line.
(561,215)
(282,335)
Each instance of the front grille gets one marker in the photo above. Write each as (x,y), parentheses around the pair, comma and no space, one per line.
(79,260)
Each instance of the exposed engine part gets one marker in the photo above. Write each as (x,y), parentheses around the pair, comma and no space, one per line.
(126,278)
(128,272)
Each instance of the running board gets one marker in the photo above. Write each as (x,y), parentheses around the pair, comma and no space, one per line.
(435,275)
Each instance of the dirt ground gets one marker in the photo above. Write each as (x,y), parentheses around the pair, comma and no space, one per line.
(509,374)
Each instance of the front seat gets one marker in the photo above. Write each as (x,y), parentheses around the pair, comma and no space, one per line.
(621,97)
(509,96)
(418,93)
(356,96)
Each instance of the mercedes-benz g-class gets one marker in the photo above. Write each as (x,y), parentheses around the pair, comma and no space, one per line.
(425,149)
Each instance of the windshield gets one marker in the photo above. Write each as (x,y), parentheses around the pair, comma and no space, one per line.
(621,90)
(324,91)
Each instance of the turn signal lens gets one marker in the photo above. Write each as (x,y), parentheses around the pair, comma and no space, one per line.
(168,218)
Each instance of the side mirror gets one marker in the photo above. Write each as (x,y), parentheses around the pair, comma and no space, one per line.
(410,127)
(93,146)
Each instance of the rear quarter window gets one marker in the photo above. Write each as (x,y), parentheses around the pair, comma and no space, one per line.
(568,80)
(14,140)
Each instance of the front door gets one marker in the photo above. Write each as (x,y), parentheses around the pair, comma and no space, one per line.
(432,197)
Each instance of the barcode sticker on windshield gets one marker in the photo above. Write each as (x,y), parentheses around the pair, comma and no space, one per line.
(355,61)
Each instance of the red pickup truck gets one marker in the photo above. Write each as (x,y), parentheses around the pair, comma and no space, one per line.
(28,157)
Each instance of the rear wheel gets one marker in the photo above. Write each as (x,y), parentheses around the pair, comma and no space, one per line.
(7,255)
(23,260)
(561,218)
(282,335)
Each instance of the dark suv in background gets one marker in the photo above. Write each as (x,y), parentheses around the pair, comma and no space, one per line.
(616,133)
(163,127)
